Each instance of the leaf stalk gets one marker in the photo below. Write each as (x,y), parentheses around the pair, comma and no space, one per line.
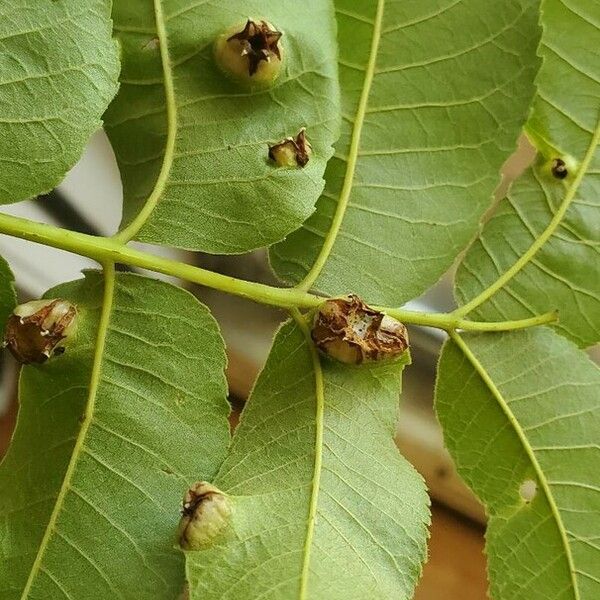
(110,250)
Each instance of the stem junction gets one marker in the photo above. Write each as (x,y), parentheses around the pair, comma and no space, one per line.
(111,250)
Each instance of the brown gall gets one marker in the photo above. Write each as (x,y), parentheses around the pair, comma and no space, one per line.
(39,329)
(348,330)
(291,152)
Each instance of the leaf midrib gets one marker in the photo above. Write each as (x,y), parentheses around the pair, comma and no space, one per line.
(123,236)
(352,157)
(129,232)
(318,464)
(107,304)
(486,378)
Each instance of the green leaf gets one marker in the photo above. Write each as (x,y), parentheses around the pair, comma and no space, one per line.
(541,250)
(103,453)
(58,72)
(434,96)
(193,146)
(8,295)
(521,410)
(324,506)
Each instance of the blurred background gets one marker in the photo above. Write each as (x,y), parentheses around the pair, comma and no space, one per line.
(89,201)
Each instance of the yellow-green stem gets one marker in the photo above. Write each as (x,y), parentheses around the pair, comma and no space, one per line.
(111,250)
(346,190)
(171,109)
(450,322)
(318,463)
(107,303)
(108,250)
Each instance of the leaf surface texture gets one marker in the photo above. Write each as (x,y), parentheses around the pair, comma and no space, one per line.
(427,123)
(564,272)
(58,71)
(8,296)
(90,511)
(317,440)
(193,146)
(520,413)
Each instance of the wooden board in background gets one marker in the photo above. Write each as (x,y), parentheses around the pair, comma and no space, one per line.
(456,566)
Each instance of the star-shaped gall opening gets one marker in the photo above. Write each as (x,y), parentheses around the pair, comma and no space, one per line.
(291,152)
(259,42)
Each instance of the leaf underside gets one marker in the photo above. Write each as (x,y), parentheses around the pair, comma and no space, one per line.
(369,537)
(536,420)
(91,484)
(8,296)
(58,72)
(215,188)
(437,125)
(159,423)
(565,273)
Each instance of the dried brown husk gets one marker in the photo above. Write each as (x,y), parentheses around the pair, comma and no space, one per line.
(38,329)
(291,152)
(351,332)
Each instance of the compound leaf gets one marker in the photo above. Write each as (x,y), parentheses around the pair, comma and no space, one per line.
(101,457)
(324,506)
(540,251)
(521,417)
(192,145)
(434,96)
(58,71)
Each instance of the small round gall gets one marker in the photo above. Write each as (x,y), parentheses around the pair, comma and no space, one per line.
(205,514)
(291,152)
(250,53)
(349,331)
(559,168)
(562,167)
(39,329)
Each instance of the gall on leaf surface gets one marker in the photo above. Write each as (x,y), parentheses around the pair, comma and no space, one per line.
(193,145)
(548,227)
(38,329)
(317,438)
(89,505)
(434,96)
(521,417)
(58,72)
